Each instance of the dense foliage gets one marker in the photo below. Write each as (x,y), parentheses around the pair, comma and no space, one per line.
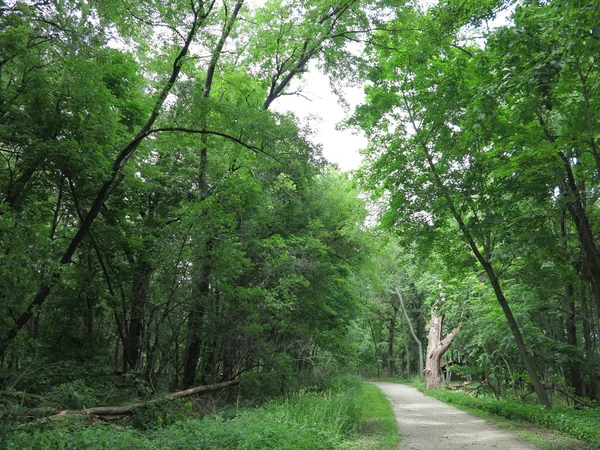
(158,220)
(163,225)
(483,151)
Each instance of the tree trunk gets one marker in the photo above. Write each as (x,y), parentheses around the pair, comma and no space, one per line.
(139,297)
(591,254)
(376,353)
(570,324)
(391,363)
(589,350)
(436,347)
(202,267)
(129,409)
(412,332)
(200,291)
(407,353)
(90,300)
(574,194)
(574,370)
(406,348)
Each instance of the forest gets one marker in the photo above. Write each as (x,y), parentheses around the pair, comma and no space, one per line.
(166,230)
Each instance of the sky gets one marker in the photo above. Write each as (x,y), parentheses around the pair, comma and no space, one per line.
(318,100)
(339,146)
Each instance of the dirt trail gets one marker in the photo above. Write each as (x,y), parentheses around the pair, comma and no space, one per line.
(429,424)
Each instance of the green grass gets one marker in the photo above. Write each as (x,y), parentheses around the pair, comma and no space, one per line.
(378,428)
(349,415)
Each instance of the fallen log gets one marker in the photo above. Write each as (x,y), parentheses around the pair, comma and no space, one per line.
(203,389)
(463,386)
(111,411)
(128,409)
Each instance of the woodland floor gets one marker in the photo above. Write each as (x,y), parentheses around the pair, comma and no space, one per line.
(428,423)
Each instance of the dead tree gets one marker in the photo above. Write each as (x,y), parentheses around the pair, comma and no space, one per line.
(436,347)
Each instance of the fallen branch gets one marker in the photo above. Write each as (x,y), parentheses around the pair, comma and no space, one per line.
(574,398)
(107,412)
(566,394)
(128,409)
(465,387)
(202,389)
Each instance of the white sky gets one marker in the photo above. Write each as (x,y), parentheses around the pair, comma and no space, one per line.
(339,147)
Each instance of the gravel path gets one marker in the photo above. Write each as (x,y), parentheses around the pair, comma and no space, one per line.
(429,424)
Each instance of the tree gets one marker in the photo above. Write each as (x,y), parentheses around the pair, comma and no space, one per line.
(546,101)
(205,237)
(439,169)
(436,347)
(412,333)
(198,15)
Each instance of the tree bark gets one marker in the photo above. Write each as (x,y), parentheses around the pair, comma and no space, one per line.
(412,332)
(436,347)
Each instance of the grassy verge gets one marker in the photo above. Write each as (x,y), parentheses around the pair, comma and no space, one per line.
(378,429)
(350,415)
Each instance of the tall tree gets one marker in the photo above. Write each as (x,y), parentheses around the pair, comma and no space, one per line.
(423,155)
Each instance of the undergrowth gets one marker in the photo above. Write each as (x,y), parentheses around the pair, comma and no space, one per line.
(327,420)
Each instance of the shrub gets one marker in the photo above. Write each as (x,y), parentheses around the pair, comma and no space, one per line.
(73,395)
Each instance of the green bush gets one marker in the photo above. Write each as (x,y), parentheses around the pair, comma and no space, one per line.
(279,379)
(65,438)
(161,414)
(73,395)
